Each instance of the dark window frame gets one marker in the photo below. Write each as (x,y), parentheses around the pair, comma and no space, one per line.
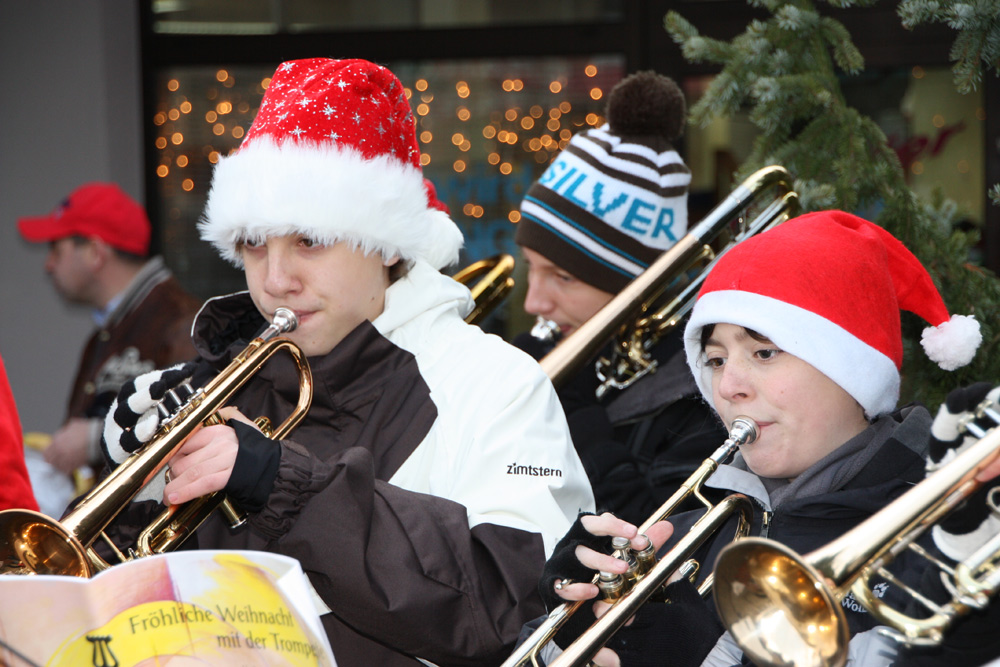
(639,37)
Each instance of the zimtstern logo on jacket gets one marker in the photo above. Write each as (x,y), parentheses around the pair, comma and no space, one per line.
(851,604)
(532,471)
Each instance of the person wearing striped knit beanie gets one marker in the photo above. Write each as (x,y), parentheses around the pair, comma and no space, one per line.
(609,204)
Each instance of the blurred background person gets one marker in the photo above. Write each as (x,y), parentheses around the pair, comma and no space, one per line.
(614,199)
(98,257)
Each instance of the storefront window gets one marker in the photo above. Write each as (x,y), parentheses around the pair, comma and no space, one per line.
(249,17)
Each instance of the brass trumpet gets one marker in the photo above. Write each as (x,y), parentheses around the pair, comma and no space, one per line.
(742,431)
(628,317)
(32,543)
(784,609)
(493,283)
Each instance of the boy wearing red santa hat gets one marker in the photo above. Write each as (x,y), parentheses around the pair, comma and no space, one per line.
(434,471)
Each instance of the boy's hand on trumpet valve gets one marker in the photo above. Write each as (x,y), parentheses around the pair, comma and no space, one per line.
(606,525)
(583,553)
(234,457)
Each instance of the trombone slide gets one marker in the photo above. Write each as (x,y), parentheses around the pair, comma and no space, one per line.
(584,343)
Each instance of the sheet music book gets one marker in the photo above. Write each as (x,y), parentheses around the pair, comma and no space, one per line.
(232,608)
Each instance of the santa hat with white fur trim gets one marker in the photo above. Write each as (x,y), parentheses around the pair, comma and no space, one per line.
(828,287)
(332,154)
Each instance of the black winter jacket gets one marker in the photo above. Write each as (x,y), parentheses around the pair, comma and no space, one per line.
(688,632)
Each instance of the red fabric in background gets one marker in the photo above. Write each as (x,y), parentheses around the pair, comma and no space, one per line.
(15,486)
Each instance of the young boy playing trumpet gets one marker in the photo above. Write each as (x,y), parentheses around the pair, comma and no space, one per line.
(433,472)
(797,329)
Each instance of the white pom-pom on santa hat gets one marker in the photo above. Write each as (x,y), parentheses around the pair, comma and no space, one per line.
(332,154)
(952,344)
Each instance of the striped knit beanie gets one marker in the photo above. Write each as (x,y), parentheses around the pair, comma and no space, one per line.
(616,197)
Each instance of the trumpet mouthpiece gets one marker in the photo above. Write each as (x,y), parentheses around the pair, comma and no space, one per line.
(284,320)
(744,430)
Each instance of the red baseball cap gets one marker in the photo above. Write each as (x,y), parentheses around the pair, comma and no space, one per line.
(95,209)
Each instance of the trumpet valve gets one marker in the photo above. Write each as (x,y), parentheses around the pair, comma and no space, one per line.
(623,551)
(645,557)
(689,570)
(611,585)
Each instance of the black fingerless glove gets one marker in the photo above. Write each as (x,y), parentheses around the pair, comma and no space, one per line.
(679,633)
(563,564)
(255,468)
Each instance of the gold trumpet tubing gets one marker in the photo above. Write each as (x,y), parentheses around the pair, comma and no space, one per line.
(974,581)
(528,652)
(743,431)
(178,522)
(978,577)
(834,568)
(493,283)
(856,556)
(902,628)
(32,543)
(590,642)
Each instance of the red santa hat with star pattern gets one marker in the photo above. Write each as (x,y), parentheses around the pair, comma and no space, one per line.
(332,154)
(828,287)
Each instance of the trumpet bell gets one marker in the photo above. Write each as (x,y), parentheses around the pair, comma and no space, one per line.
(33,543)
(776,606)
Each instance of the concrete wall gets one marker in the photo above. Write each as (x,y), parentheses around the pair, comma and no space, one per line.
(69,113)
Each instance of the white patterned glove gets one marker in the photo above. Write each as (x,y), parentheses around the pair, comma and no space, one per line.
(136,413)
(960,533)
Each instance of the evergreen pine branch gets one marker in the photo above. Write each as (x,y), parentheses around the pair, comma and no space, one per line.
(977,45)
(783,72)
(846,55)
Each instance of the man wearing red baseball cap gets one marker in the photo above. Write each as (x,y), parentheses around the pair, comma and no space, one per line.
(98,246)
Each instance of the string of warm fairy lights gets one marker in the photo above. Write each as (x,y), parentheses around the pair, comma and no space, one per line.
(489,130)
(481,125)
